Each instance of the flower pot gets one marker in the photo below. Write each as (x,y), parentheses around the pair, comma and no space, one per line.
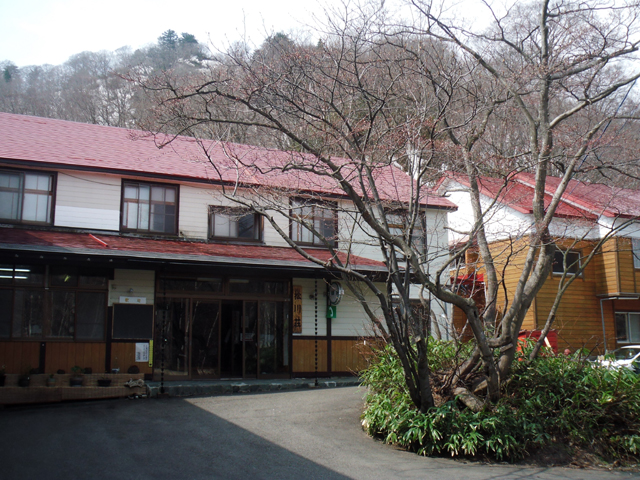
(2,379)
(75,381)
(104,382)
(51,382)
(24,381)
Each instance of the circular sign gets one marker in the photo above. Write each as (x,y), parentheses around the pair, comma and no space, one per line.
(335,293)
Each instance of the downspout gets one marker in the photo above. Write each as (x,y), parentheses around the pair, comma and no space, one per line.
(604,334)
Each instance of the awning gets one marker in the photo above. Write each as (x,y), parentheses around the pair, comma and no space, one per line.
(115,246)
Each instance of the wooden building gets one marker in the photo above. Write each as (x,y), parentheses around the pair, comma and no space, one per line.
(116,253)
(602,306)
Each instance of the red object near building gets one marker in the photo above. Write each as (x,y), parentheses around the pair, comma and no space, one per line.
(550,341)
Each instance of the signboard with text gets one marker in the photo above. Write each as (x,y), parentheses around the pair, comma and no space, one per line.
(297,309)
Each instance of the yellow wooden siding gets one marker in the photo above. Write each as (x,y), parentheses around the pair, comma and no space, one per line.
(509,258)
(304,355)
(123,356)
(626,270)
(348,355)
(65,355)
(19,357)
(606,268)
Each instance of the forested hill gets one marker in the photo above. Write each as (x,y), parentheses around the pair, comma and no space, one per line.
(91,87)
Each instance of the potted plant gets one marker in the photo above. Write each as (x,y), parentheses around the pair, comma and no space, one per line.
(104,381)
(76,376)
(51,381)
(25,378)
(3,376)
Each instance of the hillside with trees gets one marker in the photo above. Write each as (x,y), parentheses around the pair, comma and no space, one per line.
(90,86)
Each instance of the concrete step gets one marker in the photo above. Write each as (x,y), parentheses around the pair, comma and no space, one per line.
(192,388)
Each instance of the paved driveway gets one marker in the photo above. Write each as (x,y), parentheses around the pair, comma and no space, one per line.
(290,435)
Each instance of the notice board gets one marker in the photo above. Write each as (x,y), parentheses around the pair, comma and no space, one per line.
(132,322)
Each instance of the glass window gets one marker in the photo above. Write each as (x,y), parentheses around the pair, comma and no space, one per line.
(28,313)
(63,313)
(6,301)
(274,334)
(628,327)
(90,322)
(320,215)
(634,327)
(635,243)
(234,223)
(98,281)
(63,277)
(242,285)
(67,309)
(399,222)
(26,197)
(572,260)
(621,327)
(149,208)
(197,285)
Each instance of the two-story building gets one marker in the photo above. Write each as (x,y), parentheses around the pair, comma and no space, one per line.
(114,253)
(602,305)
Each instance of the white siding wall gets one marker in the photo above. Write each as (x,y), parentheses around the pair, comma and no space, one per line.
(351,319)
(194,209)
(365,244)
(141,281)
(308,306)
(503,222)
(88,201)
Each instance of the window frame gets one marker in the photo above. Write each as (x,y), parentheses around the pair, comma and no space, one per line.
(148,231)
(627,315)
(258,224)
(569,264)
(297,227)
(51,193)
(635,252)
(50,294)
(400,226)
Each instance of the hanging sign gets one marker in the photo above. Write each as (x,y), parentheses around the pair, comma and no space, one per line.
(297,309)
(332,311)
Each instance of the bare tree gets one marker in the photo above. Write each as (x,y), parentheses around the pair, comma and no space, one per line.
(377,91)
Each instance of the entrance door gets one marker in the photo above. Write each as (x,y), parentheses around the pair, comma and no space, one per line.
(172,338)
(205,338)
(201,338)
(231,339)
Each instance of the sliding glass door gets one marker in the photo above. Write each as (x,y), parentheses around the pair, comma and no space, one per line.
(206,338)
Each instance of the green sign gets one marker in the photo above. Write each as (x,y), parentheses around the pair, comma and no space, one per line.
(332,310)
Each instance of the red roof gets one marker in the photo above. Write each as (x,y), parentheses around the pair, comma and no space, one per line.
(597,198)
(519,196)
(58,142)
(134,247)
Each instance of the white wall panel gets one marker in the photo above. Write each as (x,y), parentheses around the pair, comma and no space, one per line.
(132,283)
(88,201)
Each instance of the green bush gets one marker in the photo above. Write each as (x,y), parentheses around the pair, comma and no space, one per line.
(554,399)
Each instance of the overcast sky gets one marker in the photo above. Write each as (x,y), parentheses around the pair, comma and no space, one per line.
(37,32)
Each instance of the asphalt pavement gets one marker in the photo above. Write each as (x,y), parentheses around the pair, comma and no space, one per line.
(300,434)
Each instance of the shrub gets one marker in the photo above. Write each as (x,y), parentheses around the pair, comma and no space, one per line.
(553,399)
